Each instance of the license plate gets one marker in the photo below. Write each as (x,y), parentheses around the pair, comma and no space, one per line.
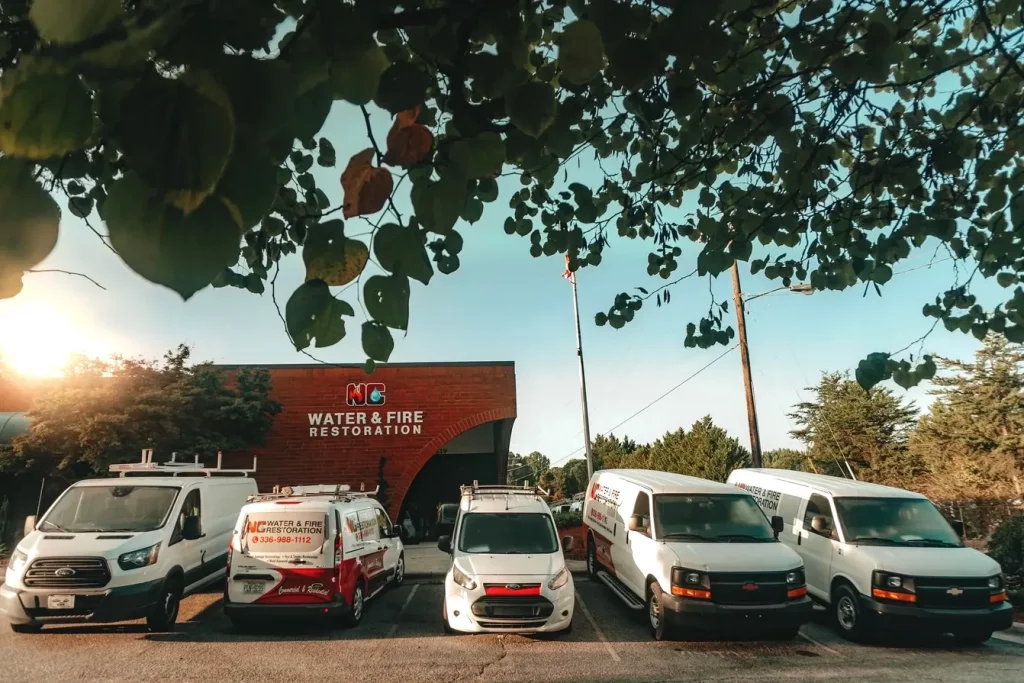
(250,588)
(60,601)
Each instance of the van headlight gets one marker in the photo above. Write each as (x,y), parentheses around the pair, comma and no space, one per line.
(995,583)
(795,578)
(139,558)
(17,562)
(561,578)
(462,579)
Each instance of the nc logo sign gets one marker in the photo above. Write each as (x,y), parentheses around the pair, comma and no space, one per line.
(371,394)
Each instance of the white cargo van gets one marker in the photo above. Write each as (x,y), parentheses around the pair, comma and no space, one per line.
(508,573)
(310,551)
(882,556)
(124,548)
(695,554)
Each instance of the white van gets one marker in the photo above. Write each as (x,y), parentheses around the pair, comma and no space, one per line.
(880,555)
(508,573)
(308,551)
(124,548)
(695,554)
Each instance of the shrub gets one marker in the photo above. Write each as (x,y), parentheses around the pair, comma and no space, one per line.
(564,520)
(1007,548)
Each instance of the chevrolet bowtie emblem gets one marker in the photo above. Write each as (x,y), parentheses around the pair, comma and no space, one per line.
(954,591)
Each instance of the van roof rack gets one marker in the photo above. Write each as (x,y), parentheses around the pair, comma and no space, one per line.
(478,489)
(174,468)
(334,492)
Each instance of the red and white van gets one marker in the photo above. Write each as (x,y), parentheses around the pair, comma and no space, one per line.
(310,551)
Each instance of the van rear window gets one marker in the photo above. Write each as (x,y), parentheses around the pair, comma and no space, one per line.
(284,532)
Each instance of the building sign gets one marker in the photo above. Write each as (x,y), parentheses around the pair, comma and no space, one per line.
(365,422)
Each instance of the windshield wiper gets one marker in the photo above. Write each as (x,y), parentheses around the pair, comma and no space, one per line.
(875,539)
(693,536)
(58,528)
(932,541)
(744,537)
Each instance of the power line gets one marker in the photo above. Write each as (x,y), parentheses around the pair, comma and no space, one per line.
(730,349)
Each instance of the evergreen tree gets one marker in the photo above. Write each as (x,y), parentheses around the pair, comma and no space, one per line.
(706,451)
(787,459)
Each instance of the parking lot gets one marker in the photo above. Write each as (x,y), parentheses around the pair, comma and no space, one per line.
(401,639)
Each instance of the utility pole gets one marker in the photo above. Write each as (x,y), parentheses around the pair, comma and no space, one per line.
(748,384)
(571,277)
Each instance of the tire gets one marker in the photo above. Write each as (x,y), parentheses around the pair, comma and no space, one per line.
(399,577)
(355,614)
(846,613)
(972,637)
(26,628)
(593,566)
(656,621)
(164,614)
(448,630)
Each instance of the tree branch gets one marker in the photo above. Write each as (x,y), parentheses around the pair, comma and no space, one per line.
(66,272)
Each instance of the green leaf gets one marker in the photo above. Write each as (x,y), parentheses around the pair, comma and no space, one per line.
(387,300)
(494,74)
(532,107)
(165,246)
(369,366)
(438,204)
(177,135)
(356,79)
(872,370)
(250,183)
(487,190)
(311,110)
(1015,334)
(377,341)
(881,274)
(634,62)
(402,86)
(312,313)
(80,206)
(479,156)
(581,52)
(850,68)
(43,115)
(261,92)
(473,211)
(29,220)
(72,21)
(332,257)
(401,251)
(1006,279)
(254,283)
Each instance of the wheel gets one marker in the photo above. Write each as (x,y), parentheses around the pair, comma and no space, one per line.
(972,637)
(593,566)
(399,571)
(444,619)
(355,615)
(656,621)
(26,628)
(164,614)
(847,614)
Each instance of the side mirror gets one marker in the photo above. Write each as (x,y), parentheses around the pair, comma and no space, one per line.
(958,527)
(30,525)
(778,524)
(820,524)
(191,529)
(636,523)
(567,543)
(444,544)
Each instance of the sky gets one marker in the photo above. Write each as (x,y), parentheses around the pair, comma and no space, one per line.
(502,304)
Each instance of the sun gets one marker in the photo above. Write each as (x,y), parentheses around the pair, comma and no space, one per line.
(38,341)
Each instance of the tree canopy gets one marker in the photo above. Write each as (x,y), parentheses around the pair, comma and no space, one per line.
(816,141)
(108,412)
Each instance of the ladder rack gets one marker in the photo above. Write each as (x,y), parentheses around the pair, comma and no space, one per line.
(334,492)
(174,468)
(477,489)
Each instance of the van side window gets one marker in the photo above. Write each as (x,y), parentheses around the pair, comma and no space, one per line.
(368,523)
(818,505)
(383,523)
(191,507)
(642,507)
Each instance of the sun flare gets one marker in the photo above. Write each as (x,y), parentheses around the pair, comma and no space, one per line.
(38,341)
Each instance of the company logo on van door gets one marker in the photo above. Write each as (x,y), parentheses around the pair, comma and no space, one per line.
(364,422)
(766,498)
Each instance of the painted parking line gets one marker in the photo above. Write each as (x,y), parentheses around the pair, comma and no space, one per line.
(597,629)
(824,647)
(398,620)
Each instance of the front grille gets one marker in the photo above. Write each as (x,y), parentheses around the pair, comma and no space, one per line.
(68,572)
(513,610)
(763,588)
(952,593)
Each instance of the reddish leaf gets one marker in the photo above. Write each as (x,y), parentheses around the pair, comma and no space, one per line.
(366,188)
(408,141)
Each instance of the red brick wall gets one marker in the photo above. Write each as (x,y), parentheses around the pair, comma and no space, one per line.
(451,397)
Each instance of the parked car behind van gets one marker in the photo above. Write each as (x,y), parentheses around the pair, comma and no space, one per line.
(310,551)
(695,554)
(125,548)
(881,556)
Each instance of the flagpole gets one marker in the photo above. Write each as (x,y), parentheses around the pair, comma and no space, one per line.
(583,374)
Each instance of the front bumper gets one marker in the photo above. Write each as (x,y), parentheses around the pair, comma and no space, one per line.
(896,615)
(459,604)
(122,603)
(705,615)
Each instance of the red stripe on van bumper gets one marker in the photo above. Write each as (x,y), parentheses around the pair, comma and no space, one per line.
(505,590)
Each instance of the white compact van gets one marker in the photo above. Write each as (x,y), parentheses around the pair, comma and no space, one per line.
(695,554)
(127,547)
(310,551)
(508,573)
(882,556)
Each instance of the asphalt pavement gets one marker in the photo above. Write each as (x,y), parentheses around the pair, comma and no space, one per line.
(401,639)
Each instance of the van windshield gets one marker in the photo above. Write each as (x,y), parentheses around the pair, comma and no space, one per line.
(710,519)
(86,509)
(508,533)
(895,521)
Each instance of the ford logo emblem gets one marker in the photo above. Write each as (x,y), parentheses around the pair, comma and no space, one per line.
(513,586)
(65,572)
